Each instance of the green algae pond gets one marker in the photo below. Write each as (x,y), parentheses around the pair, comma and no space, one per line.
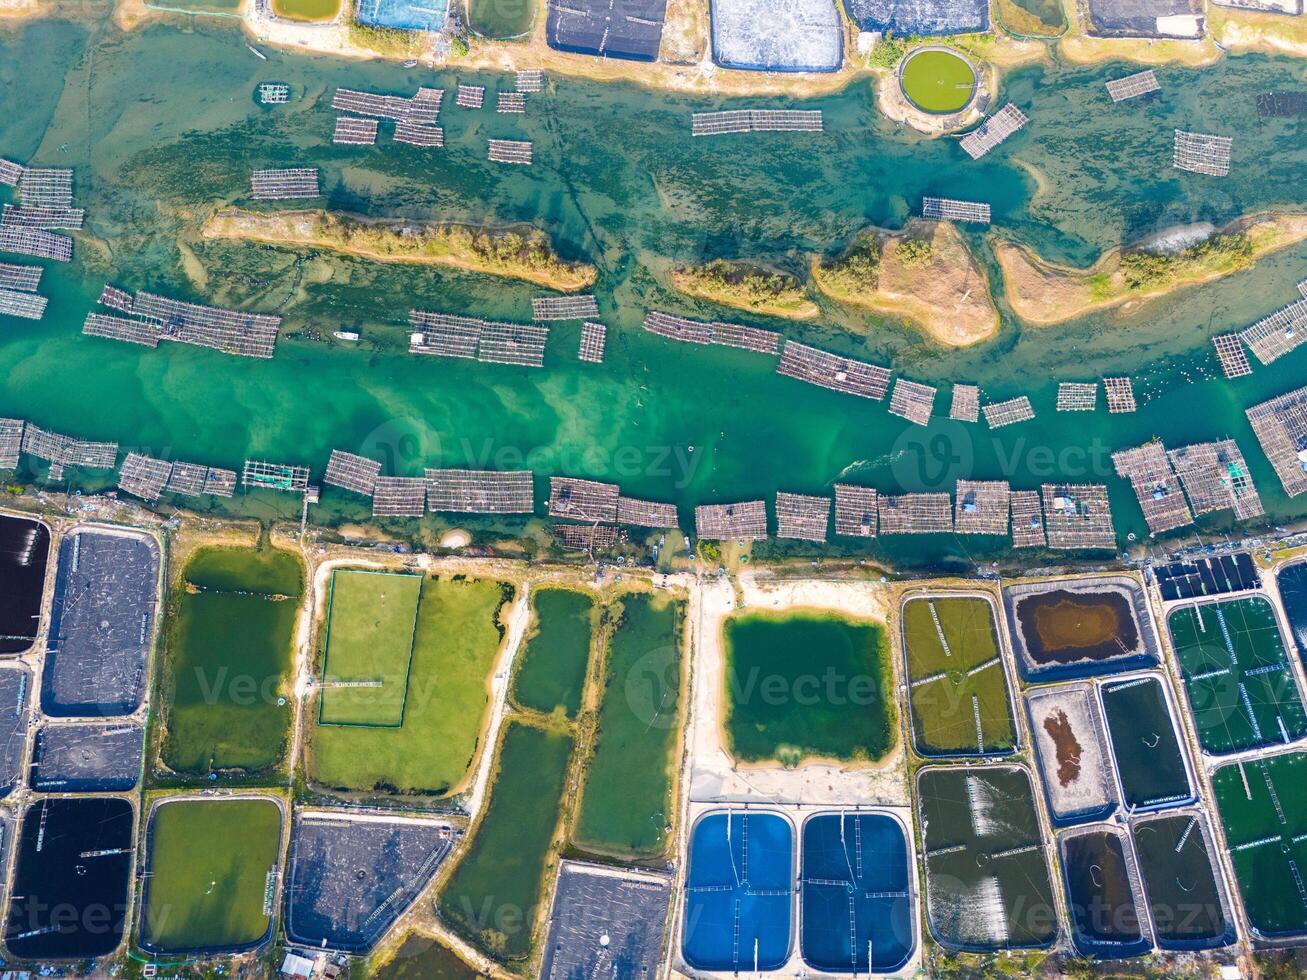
(937,80)
(807,683)
(144,139)
(960,701)
(1263,807)
(230,647)
(457,639)
(626,799)
(422,957)
(209,874)
(495,890)
(553,668)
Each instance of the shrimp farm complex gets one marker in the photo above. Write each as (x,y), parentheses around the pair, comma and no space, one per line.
(653,489)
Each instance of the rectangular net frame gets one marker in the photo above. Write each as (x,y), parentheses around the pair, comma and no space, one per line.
(999,414)
(1120,394)
(46,187)
(1233,358)
(593,340)
(756,121)
(355,102)
(187,479)
(1133,86)
(1077,396)
(480,491)
(510,151)
(36,242)
(583,500)
(646,513)
(563,307)
(399,496)
(352,472)
(510,102)
(587,537)
(10,173)
(826,370)
(1077,516)
(1280,425)
(11,442)
(912,401)
(274,93)
(229,331)
(712,334)
(446,335)
(530,80)
(289,184)
(122,328)
(415,134)
(948,209)
(1202,153)
(29,306)
(1027,520)
(993,131)
(1271,337)
(746,521)
(424,108)
(470,97)
(966,403)
(61,450)
(24,278)
(354,131)
(144,476)
(51,219)
(116,299)
(982,507)
(802,517)
(1155,485)
(856,511)
(916,513)
(275,476)
(1215,477)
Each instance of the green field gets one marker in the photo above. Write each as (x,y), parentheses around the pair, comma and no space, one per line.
(552,674)
(492,895)
(1240,685)
(454,650)
(207,876)
(937,81)
(501,18)
(626,801)
(953,686)
(424,958)
(1263,805)
(802,684)
(308,10)
(230,646)
(370,623)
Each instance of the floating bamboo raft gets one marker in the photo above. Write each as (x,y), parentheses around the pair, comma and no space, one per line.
(993,131)
(855,511)
(827,370)
(352,472)
(480,491)
(719,522)
(802,517)
(583,500)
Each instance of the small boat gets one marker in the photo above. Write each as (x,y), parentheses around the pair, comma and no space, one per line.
(410,64)
(257,53)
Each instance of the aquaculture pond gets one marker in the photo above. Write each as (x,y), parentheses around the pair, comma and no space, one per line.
(959,697)
(987,882)
(1077,628)
(308,10)
(1263,807)
(1101,896)
(24,554)
(807,684)
(1145,746)
(146,140)
(230,646)
(371,620)
(1071,752)
(626,801)
(492,896)
(937,80)
(212,867)
(858,896)
(71,879)
(739,906)
(501,18)
(455,644)
(15,722)
(1240,685)
(553,667)
(1292,582)
(1185,898)
(422,957)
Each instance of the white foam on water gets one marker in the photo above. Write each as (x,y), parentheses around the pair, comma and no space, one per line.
(988,916)
(982,806)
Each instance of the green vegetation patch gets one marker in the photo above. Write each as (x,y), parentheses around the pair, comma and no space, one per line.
(1239,681)
(746,286)
(807,684)
(552,674)
(858,270)
(495,890)
(500,19)
(308,10)
(371,618)
(937,81)
(1219,255)
(454,648)
(960,704)
(626,801)
(1263,805)
(230,650)
(207,884)
(425,958)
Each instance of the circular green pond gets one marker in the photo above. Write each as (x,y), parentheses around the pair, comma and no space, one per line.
(937,80)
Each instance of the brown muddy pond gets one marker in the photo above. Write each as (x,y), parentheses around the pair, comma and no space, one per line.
(1062,627)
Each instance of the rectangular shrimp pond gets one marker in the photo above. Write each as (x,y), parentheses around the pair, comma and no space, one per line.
(987,878)
(960,701)
(1238,677)
(1263,807)
(1141,728)
(1102,893)
(1079,627)
(1072,752)
(1186,898)
(551,676)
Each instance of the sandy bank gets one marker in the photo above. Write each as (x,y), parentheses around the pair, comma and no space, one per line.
(1043,293)
(516,252)
(948,296)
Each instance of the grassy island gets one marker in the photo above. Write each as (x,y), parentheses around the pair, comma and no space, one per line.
(516,252)
(925,273)
(1043,293)
(746,287)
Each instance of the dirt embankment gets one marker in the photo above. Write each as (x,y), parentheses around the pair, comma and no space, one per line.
(516,252)
(1043,293)
(938,285)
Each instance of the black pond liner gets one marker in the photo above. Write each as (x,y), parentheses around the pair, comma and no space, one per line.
(89,758)
(1185,896)
(24,554)
(1292,580)
(1150,760)
(71,881)
(1101,895)
(629,29)
(15,694)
